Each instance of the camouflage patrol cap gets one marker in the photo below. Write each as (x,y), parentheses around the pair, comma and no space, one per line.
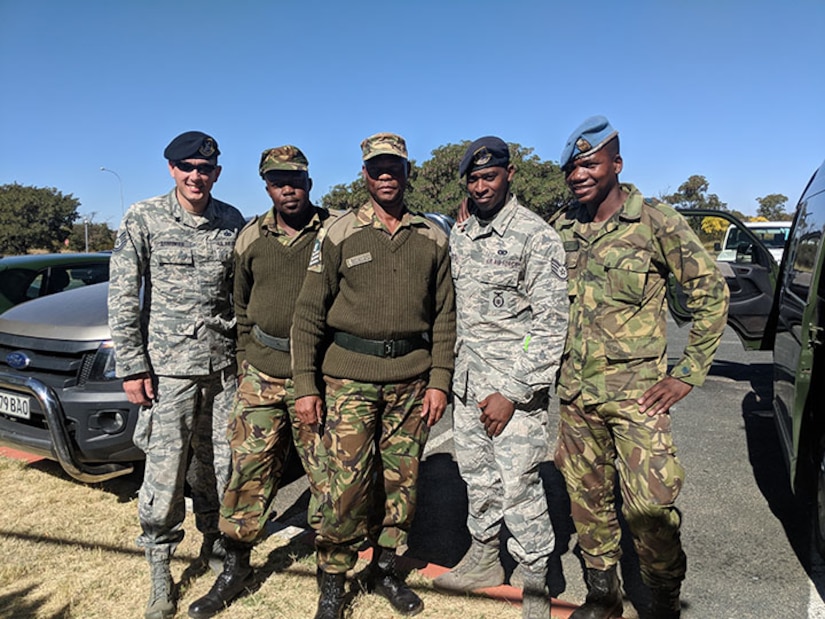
(588,138)
(384,144)
(192,145)
(486,152)
(287,157)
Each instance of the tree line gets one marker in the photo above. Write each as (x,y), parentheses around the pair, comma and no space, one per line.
(39,218)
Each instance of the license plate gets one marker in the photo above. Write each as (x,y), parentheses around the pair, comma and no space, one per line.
(14,405)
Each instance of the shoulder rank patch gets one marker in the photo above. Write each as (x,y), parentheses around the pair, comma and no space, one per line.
(120,241)
(558,269)
(316,263)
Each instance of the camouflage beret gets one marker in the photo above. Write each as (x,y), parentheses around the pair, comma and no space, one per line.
(588,138)
(384,144)
(486,152)
(192,145)
(288,157)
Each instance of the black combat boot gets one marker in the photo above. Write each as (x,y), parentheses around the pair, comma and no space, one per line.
(230,583)
(604,596)
(664,603)
(385,581)
(331,601)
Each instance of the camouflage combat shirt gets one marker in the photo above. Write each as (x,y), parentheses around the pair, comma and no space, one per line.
(617,274)
(185,324)
(511,302)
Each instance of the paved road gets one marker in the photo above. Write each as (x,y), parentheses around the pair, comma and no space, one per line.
(744,534)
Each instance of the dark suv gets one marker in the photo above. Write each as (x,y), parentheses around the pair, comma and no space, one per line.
(782,308)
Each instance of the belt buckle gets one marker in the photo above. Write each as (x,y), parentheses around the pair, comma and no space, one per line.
(389,348)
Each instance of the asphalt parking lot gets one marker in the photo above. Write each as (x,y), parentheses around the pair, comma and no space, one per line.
(744,533)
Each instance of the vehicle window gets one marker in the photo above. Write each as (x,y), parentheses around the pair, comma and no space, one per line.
(803,249)
(17,284)
(772,237)
(88,274)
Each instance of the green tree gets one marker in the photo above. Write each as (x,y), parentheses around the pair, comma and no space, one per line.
(34,218)
(693,194)
(772,207)
(100,236)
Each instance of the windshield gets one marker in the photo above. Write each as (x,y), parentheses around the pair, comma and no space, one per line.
(772,238)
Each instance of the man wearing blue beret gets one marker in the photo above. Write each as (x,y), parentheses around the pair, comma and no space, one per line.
(173,328)
(614,389)
(511,321)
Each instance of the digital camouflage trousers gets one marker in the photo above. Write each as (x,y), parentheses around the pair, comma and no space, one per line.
(598,442)
(183,436)
(374,438)
(261,431)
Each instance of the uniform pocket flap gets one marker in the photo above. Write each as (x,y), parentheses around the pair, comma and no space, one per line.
(634,348)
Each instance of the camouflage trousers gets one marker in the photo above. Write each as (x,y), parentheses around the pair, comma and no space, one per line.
(259,435)
(502,476)
(184,438)
(374,437)
(595,444)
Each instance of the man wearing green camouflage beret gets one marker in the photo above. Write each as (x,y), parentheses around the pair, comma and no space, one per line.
(615,392)
(376,318)
(271,257)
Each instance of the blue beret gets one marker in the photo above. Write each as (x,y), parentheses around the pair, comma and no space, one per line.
(588,137)
(192,145)
(486,152)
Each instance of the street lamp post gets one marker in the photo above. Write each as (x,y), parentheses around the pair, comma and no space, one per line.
(120,182)
(86,231)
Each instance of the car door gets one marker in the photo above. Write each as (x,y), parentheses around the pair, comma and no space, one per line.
(751,277)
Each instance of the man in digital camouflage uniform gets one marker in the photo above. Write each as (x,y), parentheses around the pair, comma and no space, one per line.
(271,257)
(376,317)
(511,316)
(176,351)
(615,391)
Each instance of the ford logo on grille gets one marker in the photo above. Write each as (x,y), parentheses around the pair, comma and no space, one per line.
(18,360)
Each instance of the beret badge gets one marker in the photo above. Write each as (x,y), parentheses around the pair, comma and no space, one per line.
(482,156)
(583,145)
(207,148)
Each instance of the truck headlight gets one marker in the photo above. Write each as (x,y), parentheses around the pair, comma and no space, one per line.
(103,365)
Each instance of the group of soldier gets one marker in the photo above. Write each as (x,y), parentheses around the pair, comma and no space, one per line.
(346,334)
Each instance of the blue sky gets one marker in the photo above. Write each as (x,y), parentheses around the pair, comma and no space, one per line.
(731,90)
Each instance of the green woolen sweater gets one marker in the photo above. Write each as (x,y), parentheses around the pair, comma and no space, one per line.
(364,282)
(268,277)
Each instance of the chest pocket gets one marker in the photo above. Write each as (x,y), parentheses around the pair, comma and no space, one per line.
(221,250)
(181,257)
(499,295)
(626,275)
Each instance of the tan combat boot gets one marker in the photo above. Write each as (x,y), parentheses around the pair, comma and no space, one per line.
(478,569)
(161,603)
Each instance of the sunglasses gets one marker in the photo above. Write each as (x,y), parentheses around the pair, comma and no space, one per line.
(396,170)
(204,169)
(281,179)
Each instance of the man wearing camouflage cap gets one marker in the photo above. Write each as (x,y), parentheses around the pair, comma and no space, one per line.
(511,316)
(376,318)
(271,257)
(173,329)
(615,392)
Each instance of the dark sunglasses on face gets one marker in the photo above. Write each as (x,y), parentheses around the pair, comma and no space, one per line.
(204,169)
(296,181)
(396,170)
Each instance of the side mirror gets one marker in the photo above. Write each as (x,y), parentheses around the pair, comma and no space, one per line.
(717,247)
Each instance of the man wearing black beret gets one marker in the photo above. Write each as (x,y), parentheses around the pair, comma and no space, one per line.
(511,320)
(172,324)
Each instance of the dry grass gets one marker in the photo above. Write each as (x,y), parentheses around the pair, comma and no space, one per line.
(68,552)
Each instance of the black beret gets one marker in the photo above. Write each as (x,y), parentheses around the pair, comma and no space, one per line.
(192,145)
(486,152)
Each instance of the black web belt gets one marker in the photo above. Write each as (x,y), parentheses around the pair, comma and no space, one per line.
(276,343)
(380,348)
